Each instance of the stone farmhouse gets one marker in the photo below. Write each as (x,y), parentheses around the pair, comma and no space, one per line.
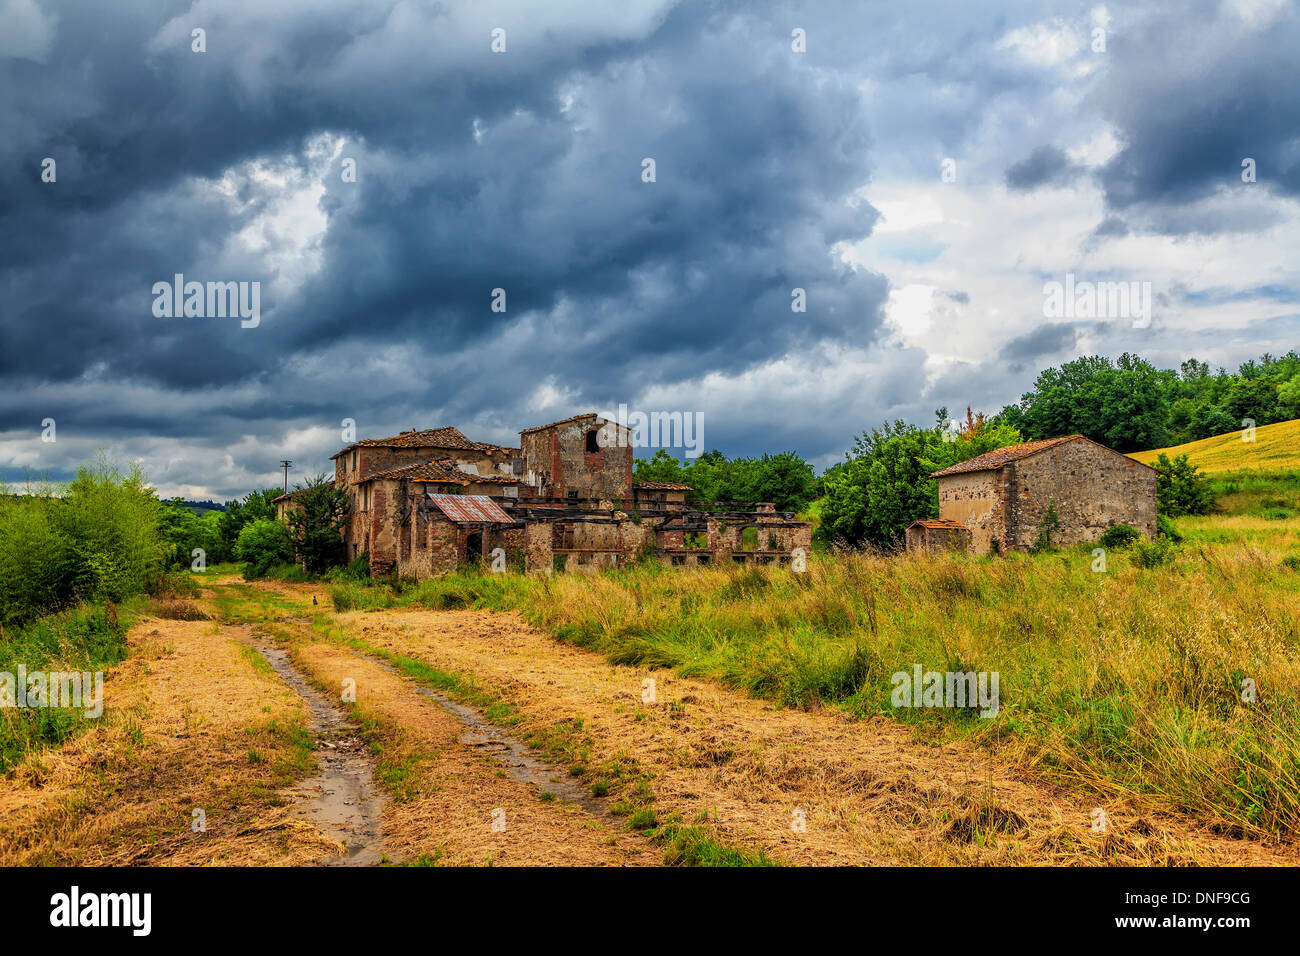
(424,502)
(997,500)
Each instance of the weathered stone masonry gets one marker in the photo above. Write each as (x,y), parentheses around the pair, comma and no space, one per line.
(1001,497)
(564,500)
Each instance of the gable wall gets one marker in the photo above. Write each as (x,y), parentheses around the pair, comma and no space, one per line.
(1093,487)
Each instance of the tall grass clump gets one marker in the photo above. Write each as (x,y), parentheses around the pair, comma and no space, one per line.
(86,638)
(69,556)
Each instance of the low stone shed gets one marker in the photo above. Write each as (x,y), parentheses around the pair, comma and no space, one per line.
(1000,497)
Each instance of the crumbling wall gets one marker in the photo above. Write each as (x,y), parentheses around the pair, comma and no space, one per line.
(558,461)
(538,555)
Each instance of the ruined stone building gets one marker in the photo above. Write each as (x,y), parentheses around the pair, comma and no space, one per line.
(426,501)
(999,498)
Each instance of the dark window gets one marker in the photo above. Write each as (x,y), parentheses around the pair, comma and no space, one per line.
(573,496)
(593,445)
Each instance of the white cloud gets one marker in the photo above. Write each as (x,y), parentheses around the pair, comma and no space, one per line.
(26,33)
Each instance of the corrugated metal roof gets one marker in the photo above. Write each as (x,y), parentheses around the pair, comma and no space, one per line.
(938,524)
(471,509)
(661,486)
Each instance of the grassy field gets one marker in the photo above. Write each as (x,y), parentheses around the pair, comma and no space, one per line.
(1127,681)
(1276,448)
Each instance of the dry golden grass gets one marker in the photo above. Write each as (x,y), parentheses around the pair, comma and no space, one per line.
(449,791)
(871,793)
(1276,448)
(182,715)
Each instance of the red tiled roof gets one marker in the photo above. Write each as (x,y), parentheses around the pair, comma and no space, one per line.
(423,471)
(939,524)
(439,470)
(468,477)
(661,486)
(1000,456)
(447,437)
(471,509)
(562,421)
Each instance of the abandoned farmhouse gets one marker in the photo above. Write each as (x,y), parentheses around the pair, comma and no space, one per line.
(997,501)
(424,502)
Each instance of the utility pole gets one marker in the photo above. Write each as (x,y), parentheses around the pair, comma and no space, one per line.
(285,465)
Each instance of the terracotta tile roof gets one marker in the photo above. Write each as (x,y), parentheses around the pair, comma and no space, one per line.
(448,437)
(661,486)
(423,471)
(562,421)
(468,477)
(471,509)
(1000,456)
(439,470)
(939,524)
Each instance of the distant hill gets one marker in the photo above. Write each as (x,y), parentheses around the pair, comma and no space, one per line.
(1275,448)
(201,508)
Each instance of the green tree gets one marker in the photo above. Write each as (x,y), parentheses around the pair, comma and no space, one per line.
(1288,398)
(254,505)
(262,544)
(886,482)
(1124,405)
(316,521)
(1210,420)
(1180,488)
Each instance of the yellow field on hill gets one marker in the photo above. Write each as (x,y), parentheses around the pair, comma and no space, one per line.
(1275,448)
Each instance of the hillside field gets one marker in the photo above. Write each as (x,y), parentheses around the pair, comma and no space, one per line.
(1276,448)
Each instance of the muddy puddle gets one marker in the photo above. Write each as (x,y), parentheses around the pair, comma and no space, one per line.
(343,799)
(513,754)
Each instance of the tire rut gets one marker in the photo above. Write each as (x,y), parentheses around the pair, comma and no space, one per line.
(343,800)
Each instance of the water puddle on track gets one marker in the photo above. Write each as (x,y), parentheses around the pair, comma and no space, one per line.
(343,799)
(513,754)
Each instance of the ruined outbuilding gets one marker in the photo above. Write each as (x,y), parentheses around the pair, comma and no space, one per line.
(427,501)
(1001,497)
(934,535)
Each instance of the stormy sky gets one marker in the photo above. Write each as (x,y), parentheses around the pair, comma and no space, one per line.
(920,170)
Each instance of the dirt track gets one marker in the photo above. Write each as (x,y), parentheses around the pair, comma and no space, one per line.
(460,787)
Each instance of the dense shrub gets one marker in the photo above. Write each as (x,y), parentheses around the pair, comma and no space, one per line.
(1153,554)
(261,545)
(98,538)
(1119,536)
(1166,528)
(1180,488)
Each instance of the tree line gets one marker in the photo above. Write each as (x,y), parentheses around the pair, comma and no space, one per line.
(1130,405)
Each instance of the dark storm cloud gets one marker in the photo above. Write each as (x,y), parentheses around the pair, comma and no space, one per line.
(519,171)
(522,171)
(1045,166)
(1196,88)
(1045,341)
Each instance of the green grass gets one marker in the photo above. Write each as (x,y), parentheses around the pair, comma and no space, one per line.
(86,638)
(1126,681)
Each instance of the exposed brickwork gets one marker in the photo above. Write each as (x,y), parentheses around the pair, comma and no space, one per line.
(578,492)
